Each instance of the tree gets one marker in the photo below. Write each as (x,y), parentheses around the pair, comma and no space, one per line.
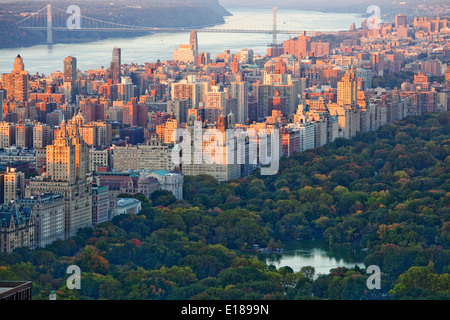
(162,198)
(110,289)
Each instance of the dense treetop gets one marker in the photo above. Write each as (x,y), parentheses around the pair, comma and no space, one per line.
(387,191)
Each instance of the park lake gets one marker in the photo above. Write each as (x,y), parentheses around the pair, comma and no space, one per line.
(301,253)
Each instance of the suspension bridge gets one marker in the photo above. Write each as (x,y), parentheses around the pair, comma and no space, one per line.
(52,19)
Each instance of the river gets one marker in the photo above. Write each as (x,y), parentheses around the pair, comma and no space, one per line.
(323,258)
(150,48)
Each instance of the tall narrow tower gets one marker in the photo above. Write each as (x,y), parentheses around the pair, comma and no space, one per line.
(116,63)
(193,41)
(70,75)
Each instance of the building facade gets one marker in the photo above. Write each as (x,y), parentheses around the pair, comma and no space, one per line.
(16,228)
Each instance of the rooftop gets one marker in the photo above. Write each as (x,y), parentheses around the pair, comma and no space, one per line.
(127,202)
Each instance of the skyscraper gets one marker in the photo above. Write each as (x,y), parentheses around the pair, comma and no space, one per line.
(239,91)
(16,82)
(400,20)
(347,90)
(116,63)
(193,41)
(66,173)
(70,75)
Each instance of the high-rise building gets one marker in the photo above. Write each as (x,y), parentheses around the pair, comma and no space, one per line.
(66,173)
(401,20)
(245,56)
(7,134)
(283,83)
(42,135)
(193,92)
(135,114)
(100,205)
(116,64)
(24,135)
(14,185)
(70,69)
(99,158)
(193,41)
(277,103)
(366,76)
(153,155)
(92,109)
(48,210)
(97,134)
(447,79)
(239,91)
(41,160)
(421,82)
(298,46)
(70,76)
(203,58)
(16,83)
(215,105)
(179,108)
(320,49)
(347,91)
(171,126)
(125,90)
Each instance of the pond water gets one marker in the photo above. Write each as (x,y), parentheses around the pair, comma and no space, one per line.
(323,258)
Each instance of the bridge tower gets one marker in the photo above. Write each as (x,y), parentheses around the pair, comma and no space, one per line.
(274,34)
(49,25)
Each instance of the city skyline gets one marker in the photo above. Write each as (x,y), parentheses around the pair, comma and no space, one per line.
(214,174)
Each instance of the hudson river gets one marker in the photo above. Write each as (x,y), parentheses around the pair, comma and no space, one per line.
(150,48)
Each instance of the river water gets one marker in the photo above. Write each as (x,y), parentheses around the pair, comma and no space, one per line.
(150,48)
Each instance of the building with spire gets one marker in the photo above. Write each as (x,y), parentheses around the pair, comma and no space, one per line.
(347,90)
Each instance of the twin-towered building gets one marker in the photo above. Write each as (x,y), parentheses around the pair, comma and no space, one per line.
(66,172)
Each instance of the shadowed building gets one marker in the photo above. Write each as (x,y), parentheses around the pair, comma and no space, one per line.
(16,228)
